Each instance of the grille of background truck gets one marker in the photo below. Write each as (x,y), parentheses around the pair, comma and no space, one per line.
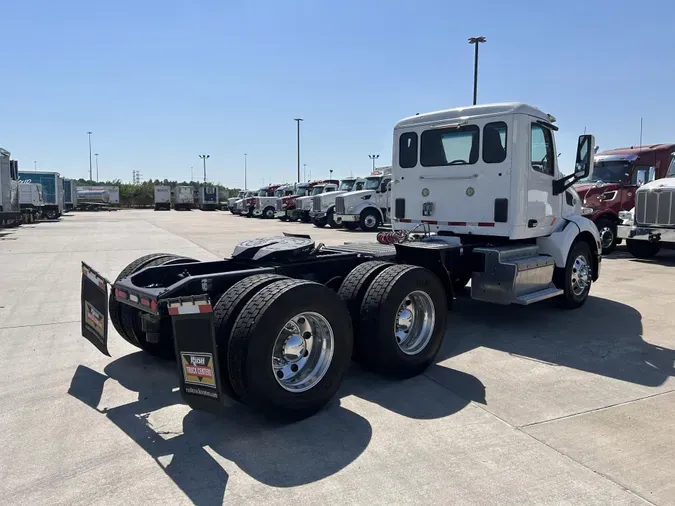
(279,204)
(655,208)
(339,205)
(316,203)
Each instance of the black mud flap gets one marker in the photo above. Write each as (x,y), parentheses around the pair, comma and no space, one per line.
(195,341)
(94,301)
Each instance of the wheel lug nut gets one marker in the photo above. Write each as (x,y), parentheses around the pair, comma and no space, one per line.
(294,368)
(306,353)
(301,320)
(280,374)
(408,302)
(307,335)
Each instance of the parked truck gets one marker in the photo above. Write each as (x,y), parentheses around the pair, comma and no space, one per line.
(208,198)
(303,205)
(275,326)
(285,206)
(69,195)
(30,201)
(162,198)
(650,225)
(241,205)
(10,215)
(52,191)
(323,205)
(611,187)
(231,201)
(366,208)
(266,207)
(184,198)
(264,192)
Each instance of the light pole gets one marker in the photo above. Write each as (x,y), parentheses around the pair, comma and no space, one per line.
(304,171)
(90,174)
(298,120)
(96,155)
(245,171)
(331,173)
(475,41)
(35,165)
(373,158)
(204,158)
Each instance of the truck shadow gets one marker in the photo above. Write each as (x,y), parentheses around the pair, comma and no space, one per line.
(664,257)
(603,337)
(279,455)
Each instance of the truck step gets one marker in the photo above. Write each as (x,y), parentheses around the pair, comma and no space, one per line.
(512,275)
(546,293)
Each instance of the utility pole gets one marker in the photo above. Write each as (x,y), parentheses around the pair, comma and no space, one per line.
(640,133)
(245,171)
(475,41)
(96,155)
(304,171)
(373,158)
(204,158)
(35,165)
(90,174)
(192,174)
(298,120)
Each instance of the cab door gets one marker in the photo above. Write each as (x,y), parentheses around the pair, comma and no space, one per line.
(543,207)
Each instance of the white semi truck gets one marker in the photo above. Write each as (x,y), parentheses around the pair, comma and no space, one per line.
(162,198)
(323,205)
(232,201)
(30,201)
(276,326)
(366,208)
(184,198)
(303,205)
(650,225)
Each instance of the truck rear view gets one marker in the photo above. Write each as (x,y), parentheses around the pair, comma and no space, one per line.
(162,198)
(208,198)
(184,198)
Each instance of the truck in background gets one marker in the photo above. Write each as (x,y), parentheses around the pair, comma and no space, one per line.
(9,195)
(231,201)
(162,198)
(323,206)
(30,201)
(184,199)
(611,187)
(208,198)
(303,205)
(285,206)
(366,208)
(69,195)
(52,191)
(266,207)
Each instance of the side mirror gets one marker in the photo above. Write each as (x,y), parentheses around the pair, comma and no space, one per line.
(651,175)
(641,177)
(584,160)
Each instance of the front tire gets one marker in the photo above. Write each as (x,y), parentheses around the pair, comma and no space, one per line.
(576,278)
(268,213)
(607,230)
(402,321)
(290,348)
(642,249)
(304,217)
(369,220)
(319,222)
(330,218)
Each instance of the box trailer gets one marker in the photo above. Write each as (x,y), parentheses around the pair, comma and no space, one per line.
(9,200)
(69,195)
(52,191)
(184,198)
(208,198)
(162,198)
(30,201)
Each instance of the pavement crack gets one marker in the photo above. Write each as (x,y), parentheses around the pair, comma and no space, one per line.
(37,325)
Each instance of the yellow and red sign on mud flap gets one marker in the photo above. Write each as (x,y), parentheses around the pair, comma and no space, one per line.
(198,369)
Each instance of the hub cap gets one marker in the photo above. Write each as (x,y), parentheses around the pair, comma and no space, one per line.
(370,221)
(581,275)
(302,352)
(414,322)
(606,237)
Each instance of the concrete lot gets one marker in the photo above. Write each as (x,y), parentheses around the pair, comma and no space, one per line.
(526,405)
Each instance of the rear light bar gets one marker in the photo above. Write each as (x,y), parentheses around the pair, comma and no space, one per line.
(147,302)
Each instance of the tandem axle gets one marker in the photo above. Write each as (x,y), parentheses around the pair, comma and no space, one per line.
(277,325)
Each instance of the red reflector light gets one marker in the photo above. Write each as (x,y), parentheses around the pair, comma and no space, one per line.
(430,222)
(145,302)
(457,223)
(404,220)
(153,305)
(485,224)
(119,293)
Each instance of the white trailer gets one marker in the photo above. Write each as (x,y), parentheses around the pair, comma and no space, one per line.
(162,198)
(184,198)
(31,201)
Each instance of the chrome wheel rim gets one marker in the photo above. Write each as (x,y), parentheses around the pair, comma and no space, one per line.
(414,322)
(606,237)
(370,221)
(303,352)
(581,275)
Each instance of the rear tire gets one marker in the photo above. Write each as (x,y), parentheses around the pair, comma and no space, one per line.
(402,321)
(225,313)
(642,249)
(576,278)
(290,375)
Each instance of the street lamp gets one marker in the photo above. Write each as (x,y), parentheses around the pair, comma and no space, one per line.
(373,158)
(204,158)
(245,171)
(90,174)
(96,155)
(331,173)
(298,120)
(35,165)
(304,171)
(475,41)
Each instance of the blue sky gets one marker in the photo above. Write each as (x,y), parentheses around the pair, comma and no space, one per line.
(158,82)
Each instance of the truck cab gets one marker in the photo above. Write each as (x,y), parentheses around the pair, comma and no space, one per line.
(366,208)
(285,205)
(266,207)
(611,188)
(240,204)
(252,203)
(232,200)
(323,205)
(303,205)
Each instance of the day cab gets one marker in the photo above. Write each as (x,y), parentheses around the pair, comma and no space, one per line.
(303,205)
(266,207)
(323,206)
(366,208)
(611,187)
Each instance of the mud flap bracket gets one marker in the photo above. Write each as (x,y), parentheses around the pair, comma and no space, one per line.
(196,352)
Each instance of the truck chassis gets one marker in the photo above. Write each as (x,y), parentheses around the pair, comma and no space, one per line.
(276,326)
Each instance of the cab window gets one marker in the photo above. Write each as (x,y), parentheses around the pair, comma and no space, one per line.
(494,142)
(407,150)
(450,146)
(542,156)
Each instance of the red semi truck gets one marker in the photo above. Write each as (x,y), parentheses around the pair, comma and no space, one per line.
(610,188)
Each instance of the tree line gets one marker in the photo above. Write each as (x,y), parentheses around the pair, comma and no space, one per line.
(143,194)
